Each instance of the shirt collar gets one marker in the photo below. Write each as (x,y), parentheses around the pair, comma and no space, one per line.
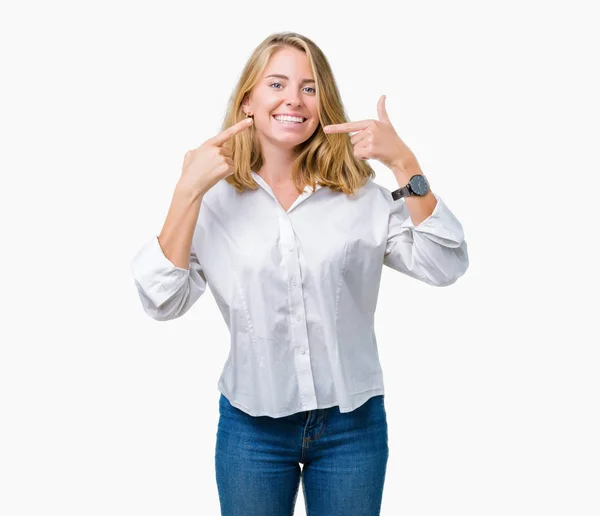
(302,197)
(263,183)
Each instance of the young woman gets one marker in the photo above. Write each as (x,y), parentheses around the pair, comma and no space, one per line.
(279,215)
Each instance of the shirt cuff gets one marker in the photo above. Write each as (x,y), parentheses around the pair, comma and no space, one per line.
(441,226)
(155,274)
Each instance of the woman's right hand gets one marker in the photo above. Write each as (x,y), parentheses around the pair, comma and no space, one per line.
(206,165)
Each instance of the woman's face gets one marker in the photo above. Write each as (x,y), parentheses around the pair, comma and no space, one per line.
(293,90)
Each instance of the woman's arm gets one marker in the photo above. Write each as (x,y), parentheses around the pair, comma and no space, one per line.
(166,270)
(175,238)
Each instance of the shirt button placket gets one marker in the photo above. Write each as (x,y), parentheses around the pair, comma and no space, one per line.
(298,329)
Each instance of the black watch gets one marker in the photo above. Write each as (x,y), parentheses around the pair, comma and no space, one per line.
(418,185)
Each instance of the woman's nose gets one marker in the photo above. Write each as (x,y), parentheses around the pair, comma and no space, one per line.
(294,99)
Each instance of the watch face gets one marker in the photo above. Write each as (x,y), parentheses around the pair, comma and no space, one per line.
(419,185)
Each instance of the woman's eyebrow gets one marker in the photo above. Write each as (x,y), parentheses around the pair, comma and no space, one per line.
(287,78)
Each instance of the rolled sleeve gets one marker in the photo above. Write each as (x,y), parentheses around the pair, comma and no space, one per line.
(435,251)
(165,290)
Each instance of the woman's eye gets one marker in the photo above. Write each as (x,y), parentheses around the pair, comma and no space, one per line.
(278,83)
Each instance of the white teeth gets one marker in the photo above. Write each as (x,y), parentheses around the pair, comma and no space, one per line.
(292,119)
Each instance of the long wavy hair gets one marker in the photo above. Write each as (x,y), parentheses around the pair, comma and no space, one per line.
(326,159)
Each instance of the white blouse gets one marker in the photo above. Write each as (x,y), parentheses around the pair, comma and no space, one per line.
(298,289)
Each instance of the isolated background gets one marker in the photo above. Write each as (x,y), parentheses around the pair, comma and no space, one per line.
(492,389)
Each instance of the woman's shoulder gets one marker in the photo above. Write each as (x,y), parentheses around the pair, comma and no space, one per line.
(375,192)
(220,192)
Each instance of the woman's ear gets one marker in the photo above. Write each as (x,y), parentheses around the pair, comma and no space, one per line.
(246,106)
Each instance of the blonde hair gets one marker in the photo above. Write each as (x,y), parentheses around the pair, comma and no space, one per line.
(326,159)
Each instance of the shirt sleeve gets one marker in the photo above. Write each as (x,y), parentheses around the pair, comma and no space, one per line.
(434,252)
(165,290)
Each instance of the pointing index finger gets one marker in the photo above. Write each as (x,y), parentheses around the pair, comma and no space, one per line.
(223,136)
(347,127)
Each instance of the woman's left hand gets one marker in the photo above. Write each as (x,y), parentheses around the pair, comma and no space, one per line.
(376,139)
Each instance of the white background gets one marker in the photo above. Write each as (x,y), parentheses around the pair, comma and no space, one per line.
(492,388)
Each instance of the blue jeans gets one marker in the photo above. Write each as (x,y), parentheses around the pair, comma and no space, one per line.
(344,457)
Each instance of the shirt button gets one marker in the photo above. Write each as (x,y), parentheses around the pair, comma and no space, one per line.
(298,317)
(294,282)
(290,249)
(303,351)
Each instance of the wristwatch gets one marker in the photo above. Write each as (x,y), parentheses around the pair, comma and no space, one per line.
(418,185)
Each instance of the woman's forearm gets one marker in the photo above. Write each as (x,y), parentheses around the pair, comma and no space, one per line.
(175,238)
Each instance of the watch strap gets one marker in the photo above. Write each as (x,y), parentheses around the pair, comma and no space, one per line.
(404,191)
